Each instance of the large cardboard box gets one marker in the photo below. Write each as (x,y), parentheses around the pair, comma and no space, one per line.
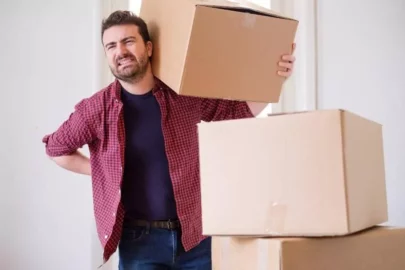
(380,248)
(315,173)
(218,48)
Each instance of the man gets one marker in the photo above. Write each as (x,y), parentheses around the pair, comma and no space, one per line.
(143,161)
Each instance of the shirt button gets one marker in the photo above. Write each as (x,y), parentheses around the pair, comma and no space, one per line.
(114,214)
(105,236)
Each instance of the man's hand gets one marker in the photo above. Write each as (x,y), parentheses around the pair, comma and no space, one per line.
(286,63)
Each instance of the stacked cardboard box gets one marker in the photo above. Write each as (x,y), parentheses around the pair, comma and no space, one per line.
(303,174)
(379,248)
(298,191)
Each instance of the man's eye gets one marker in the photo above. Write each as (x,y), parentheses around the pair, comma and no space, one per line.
(129,41)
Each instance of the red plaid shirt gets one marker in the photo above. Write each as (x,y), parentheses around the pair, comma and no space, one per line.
(98,122)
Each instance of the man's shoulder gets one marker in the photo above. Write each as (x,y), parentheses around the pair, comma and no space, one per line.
(98,101)
(175,96)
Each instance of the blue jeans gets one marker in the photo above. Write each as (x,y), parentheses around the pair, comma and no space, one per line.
(144,248)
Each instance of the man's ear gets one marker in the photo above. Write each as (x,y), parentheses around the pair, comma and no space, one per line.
(149,48)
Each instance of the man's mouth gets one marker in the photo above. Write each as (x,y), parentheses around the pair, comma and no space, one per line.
(125,61)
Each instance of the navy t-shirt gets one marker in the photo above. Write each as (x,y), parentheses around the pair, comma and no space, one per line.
(147,191)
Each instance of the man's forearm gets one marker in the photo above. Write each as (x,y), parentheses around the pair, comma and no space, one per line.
(256,107)
(76,162)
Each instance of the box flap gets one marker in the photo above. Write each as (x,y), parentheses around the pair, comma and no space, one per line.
(245,253)
(246,6)
(304,111)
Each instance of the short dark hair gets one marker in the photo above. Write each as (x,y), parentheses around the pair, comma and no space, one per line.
(124,17)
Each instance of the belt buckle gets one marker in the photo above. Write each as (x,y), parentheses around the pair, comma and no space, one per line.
(169,227)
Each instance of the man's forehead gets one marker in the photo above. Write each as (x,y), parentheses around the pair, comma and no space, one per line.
(119,32)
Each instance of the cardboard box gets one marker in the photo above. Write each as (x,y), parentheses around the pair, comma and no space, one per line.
(217,48)
(380,248)
(316,173)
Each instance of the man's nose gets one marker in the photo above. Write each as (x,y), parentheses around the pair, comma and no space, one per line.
(121,49)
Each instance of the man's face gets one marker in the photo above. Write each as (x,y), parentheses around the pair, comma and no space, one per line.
(126,51)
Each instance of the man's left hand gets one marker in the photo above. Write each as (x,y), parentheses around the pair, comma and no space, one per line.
(287,64)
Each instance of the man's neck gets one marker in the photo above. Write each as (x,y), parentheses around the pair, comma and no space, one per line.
(141,86)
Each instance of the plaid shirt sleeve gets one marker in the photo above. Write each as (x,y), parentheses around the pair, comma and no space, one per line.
(72,134)
(218,110)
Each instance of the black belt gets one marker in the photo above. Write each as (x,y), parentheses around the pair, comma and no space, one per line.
(159,224)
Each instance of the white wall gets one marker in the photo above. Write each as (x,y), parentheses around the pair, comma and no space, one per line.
(46,66)
(361,68)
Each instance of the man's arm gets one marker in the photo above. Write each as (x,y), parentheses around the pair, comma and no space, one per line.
(217,110)
(76,162)
(256,107)
(62,145)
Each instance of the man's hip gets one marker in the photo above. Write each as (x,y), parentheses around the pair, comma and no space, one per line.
(157,245)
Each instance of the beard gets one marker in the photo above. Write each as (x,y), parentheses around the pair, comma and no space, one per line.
(131,73)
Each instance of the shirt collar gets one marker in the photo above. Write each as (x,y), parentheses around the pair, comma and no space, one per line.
(116,88)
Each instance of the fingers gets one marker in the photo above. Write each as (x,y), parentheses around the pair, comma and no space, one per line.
(286,65)
(285,74)
(286,68)
(288,58)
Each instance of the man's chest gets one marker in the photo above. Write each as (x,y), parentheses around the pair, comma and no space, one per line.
(143,129)
(168,122)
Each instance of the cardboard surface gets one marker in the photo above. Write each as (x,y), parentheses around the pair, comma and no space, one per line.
(218,49)
(380,248)
(316,173)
